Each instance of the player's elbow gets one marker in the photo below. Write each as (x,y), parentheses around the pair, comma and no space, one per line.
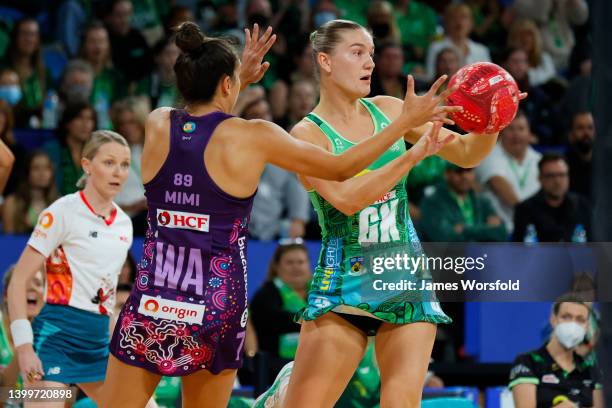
(346,206)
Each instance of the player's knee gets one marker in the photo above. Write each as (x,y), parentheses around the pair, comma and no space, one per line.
(398,395)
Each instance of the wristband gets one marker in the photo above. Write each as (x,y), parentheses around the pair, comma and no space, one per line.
(21,330)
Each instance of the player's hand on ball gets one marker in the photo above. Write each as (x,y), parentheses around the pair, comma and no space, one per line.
(30,365)
(431,142)
(255,49)
(422,109)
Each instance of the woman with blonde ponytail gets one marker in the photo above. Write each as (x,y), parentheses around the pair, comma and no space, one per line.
(81,241)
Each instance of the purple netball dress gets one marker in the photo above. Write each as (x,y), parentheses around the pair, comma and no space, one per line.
(188,308)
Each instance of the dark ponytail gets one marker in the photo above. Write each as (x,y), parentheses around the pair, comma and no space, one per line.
(202,64)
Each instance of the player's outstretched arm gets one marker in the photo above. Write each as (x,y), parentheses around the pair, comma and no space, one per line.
(252,67)
(374,184)
(311,160)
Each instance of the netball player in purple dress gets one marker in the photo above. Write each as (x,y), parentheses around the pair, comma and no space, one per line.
(187,313)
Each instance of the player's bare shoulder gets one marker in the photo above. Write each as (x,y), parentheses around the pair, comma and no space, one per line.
(158,121)
(307,131)
(391,106)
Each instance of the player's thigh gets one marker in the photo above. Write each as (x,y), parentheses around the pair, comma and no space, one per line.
(93,390)
(329,350)
(44,400)
(403,353)
(203,389)
(126,385)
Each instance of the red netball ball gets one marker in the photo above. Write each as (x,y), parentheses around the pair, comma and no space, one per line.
(489,96)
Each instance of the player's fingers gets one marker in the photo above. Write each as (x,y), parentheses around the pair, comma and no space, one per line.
(255,31)
(436,85)
(447,109)
(268,44)
(266,35)
(247,38)
(409,86)
(523,95)
(448,139)
(445,94)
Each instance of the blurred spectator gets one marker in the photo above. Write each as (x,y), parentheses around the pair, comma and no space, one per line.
(74,129)
(76,84)
(278,300)
(109,85)
(160,85)
(388,79)
(9,374)
(539,107)
(10,148)
(580,153)
(487,27)
(456,212)
(524,34)
(554,214)
(353,10)
(448,62)
(147,19)
(24,55)
(382,22)
(35,193)
(10,90)
(554,374)
(510,173)
(427,173)
(72,16)
(555,19)
(458,25)
(129,118)
(281,206)
(324,11)
(131,53)
(417,23)
(176,16)
(302,100)
(302,68)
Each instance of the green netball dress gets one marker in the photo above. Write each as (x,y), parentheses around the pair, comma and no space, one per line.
(341,279)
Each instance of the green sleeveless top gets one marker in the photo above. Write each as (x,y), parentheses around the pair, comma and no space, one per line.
(341,279)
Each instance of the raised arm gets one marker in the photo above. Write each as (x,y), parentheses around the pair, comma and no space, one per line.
(464,150)
(376,183)
(310,160)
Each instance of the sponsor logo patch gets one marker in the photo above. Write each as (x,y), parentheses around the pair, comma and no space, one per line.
(171,310)
(183,220)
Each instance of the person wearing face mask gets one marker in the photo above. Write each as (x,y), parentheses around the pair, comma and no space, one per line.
(555,375)
(555,213)
(10,90)
(580,153)
(76,83)
(382,22)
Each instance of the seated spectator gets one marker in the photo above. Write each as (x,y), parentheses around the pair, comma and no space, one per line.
(130,51)
(417,23)
(324,11)
(456,212)
(555,214)
(524,34)
(580,153)
(176,16)
(24,55)
(147,18)
(301,69)
(77,123)
(278,300)
(426,174)
(10,148)
(538,107)
(74,15)
(9,368)
(302,100)
(510,173)
(36,192)
(448,62)
(458,24)
(10,88)
(382,22)
(388,79)
(555,19)
(487,25)
(555,375)
(76,84)
(109,85)
(129,118)
(281,206)
(160,85)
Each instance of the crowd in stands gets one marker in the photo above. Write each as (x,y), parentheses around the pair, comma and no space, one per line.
(68,67)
